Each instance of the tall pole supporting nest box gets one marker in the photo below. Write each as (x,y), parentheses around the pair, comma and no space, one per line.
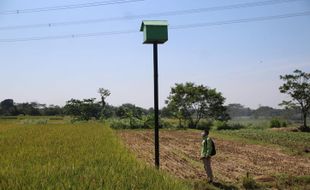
(155,32)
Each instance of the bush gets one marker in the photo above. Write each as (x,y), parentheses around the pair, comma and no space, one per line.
(284,124)
(202,125)
(131,123)
(166,124)
(236,126)
(276,123)
(222,125)
(249,183)
(137,123)
(120,124)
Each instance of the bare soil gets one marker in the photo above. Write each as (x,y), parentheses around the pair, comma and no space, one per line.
(180,153)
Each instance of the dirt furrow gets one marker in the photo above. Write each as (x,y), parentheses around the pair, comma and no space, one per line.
(179,151)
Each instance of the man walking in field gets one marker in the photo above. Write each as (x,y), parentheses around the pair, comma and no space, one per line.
(207,150)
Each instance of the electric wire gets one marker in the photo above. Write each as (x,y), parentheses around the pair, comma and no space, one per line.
(176,27)
(143,16)
(65,7)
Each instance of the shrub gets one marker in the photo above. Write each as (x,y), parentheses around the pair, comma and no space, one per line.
(204,125)
(284,124)
(249,183)
(166,124)
(221,125)
(120,124)
(131,123)
(275,123)
(236,126)
(137,123)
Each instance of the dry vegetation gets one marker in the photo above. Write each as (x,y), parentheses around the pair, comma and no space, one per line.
(180,156)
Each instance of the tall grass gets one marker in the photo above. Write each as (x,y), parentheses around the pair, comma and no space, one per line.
(72,156)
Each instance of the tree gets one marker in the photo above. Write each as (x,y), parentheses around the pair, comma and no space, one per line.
(130,111)
(8,108)
(191,103)
(266,111)
(297,85)
(104,93)
(83,110)
(29,108)
(238,110)
(52,110)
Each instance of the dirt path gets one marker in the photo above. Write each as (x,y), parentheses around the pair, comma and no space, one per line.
(179,155)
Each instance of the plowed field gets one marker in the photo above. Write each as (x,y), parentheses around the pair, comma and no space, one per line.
(179,155)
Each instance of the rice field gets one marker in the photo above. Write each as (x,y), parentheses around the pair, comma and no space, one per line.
(72,156)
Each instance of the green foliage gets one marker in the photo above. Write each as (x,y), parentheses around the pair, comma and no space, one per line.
(132,123)
(72,156)
(8,117)
(104,93)
(169,123)
(120,124)
(191,103)
(132,117)
(166,124)
(236,126)
(293,141)
(223,125)
(238,110)
(297,85)
(292,182)
(204,124)
(275,123)
(56,118)
(7,108)
(220,125)
(146,122)
(130,110)
(249,183)
(83,110)
(251,123)
(34,121)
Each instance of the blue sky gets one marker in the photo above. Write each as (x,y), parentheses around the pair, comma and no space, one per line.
(243,61)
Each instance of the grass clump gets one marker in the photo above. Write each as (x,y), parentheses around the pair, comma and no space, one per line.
(276,123)
(222,125)
(249,183)
(292,182)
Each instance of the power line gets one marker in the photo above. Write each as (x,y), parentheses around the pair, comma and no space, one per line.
(255,19)
(69,36)
(161,14)
(196,25)
(64,7)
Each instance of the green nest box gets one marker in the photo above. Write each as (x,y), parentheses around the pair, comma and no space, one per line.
(154,31)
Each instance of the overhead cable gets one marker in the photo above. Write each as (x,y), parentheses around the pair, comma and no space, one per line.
(185,26)
(143,16)
(65,7)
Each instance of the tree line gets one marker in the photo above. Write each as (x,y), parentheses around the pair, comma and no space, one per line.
(187,102)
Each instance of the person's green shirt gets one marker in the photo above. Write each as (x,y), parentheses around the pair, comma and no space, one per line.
(206,147)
